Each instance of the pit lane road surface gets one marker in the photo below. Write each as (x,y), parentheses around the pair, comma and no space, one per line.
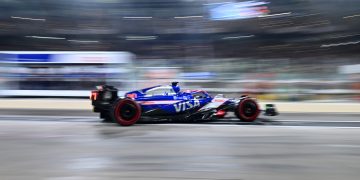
(75,146)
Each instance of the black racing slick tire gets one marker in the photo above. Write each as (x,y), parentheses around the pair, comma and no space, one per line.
(247,110)
(126,112)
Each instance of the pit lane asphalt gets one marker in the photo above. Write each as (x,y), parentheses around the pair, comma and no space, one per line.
(73,145)
(284,119)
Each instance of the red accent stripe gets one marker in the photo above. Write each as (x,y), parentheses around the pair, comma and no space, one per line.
(220,113)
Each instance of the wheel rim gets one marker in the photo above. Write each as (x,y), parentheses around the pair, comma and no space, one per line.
(249,109)
(128,111)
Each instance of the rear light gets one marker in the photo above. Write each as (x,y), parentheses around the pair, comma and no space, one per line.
(94,95)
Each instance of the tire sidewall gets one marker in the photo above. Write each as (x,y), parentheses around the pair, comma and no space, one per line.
(116,112)
(240,114)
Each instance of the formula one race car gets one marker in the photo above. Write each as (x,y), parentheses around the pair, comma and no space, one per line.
(168,102)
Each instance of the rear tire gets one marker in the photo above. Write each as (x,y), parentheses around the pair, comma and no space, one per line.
(126,112)
(248,110)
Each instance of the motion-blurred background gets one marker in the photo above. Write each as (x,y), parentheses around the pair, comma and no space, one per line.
(291,50)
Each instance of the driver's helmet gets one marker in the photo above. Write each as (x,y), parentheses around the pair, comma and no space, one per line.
(175,87)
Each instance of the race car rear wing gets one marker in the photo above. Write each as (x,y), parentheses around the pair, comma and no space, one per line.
(104,93)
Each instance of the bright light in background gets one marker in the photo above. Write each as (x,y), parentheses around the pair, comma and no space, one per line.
(137,17)
(140,38)
(340,44)
(352,16)
(26,18)
(237,37)
(237,10)
(187,17)
(278,14)
(82,41)
(44,37)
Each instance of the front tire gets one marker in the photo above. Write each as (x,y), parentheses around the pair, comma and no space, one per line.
(248,110)
(126,112)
